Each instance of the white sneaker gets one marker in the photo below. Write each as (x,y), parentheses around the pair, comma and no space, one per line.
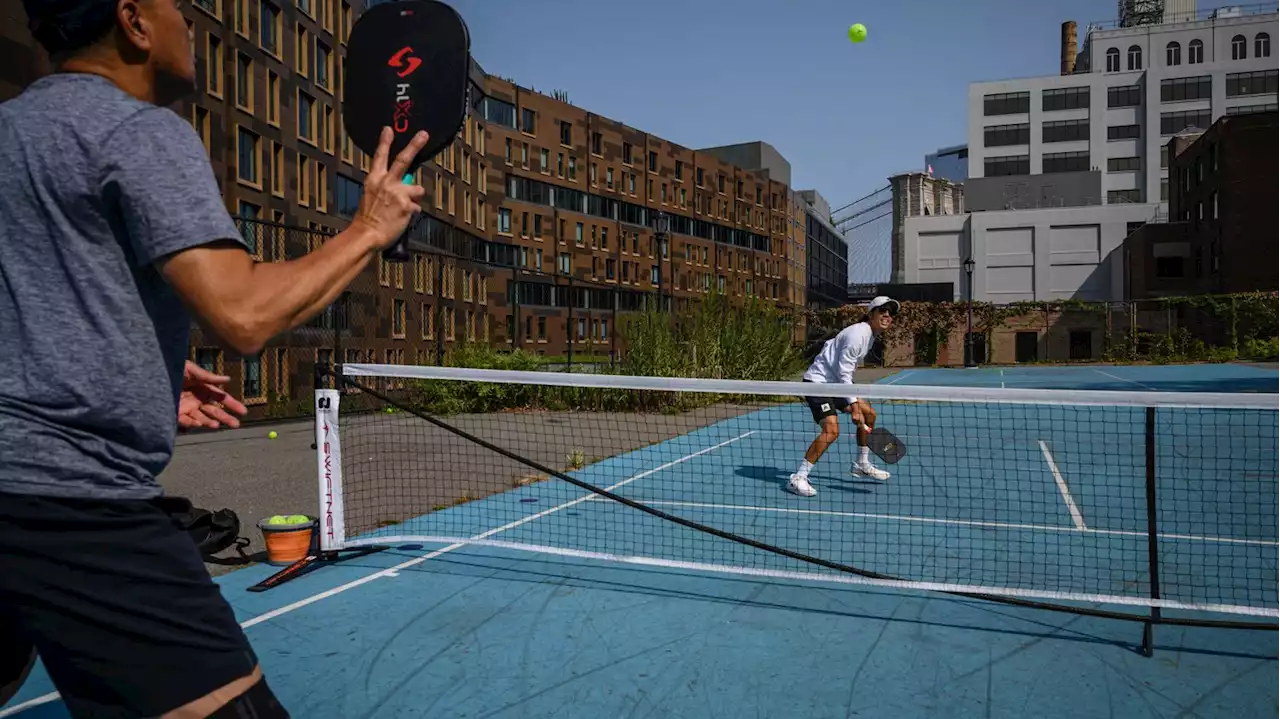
(867,469)
(800,485)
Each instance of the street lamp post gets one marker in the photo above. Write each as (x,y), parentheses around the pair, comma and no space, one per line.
(968,335)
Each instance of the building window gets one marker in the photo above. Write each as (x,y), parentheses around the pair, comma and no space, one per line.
(1186,88)
(244,83)
(1124,164)
(1175,122)
(254,389)
(1164,189)
(1064,131)
(528,121)
(1239,48)
(1249,109)
(348,195)
(1117,197)
(1005,135)
(1169,268)
(1065,162)
(566,133)
(565,263)
(1124,96)
(1135,57)
(1262,45)
(504,221)
(1006,166)
(1124,132)
(273,98)
(306,117)
(1262,82)
(1113,60)
(1173,54)
(1195,52)
(1066,98)
(269,28)
(213,66)
(1009,103)
(324,65)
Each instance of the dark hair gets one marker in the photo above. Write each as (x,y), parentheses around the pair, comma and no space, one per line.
(65,26)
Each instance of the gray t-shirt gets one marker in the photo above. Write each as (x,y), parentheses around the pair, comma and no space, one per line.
(95,186)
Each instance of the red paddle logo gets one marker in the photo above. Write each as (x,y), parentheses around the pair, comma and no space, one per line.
(407,64)
(405,59)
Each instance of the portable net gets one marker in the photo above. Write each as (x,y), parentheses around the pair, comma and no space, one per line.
(1113,503)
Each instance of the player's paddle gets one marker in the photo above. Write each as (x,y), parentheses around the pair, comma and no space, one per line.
(885,445)
(407,68)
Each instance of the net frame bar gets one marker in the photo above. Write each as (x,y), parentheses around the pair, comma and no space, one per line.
(923,393)
(333,537)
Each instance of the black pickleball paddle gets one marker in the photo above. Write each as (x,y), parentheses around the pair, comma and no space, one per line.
(407,68)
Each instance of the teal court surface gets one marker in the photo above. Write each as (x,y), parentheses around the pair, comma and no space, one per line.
(1035,501)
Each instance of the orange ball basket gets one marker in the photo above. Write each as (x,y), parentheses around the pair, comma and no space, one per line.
(287,543)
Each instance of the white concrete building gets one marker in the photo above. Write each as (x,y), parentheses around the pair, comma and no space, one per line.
(1049,254)
(1132,88)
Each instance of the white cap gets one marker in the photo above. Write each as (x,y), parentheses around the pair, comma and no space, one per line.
(881,301)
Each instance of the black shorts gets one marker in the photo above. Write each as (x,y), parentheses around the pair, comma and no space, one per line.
(117,601)
(823,407)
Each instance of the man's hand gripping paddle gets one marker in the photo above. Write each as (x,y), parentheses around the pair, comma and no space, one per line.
(407,68)
(885,445)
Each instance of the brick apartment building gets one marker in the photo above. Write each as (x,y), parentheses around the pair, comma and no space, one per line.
(1222,198)
(544,222)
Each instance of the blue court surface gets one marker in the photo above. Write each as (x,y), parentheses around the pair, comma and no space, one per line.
(1125,378)
(1041,503)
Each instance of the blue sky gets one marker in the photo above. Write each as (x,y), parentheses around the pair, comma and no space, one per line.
(846,116)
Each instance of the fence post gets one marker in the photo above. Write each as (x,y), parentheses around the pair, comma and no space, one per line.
(515,308)
(1153,534)
(440,311)
(569,328)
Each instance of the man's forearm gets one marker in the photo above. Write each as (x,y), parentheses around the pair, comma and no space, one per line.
(300,289)
(246,303)
(347,270)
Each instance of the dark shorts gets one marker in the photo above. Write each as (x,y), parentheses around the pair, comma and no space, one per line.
(823,407)
(117,601)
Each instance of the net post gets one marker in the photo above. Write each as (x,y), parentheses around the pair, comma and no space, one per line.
(1153,534)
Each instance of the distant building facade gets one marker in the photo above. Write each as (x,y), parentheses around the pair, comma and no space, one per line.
(1221,237)
(949,163)
(1131,89)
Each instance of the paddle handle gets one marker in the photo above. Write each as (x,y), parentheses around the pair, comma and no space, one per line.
(399,252)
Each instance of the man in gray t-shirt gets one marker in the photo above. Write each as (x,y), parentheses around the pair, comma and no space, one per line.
(111,230)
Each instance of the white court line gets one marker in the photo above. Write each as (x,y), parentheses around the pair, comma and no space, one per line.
(1002,379)
(1062,487)
(955,522)
(1122,379)
(898,376)
(393,571)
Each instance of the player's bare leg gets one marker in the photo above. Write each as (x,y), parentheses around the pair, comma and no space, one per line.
(829,432)
(862,466)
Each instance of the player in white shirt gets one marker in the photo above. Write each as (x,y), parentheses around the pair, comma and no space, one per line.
(835,364)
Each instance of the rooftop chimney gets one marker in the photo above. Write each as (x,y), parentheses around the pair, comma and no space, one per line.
(1069,47)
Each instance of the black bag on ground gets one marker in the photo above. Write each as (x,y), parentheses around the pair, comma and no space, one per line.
(211,530)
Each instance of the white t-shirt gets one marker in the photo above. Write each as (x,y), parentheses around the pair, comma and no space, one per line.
(841,355)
